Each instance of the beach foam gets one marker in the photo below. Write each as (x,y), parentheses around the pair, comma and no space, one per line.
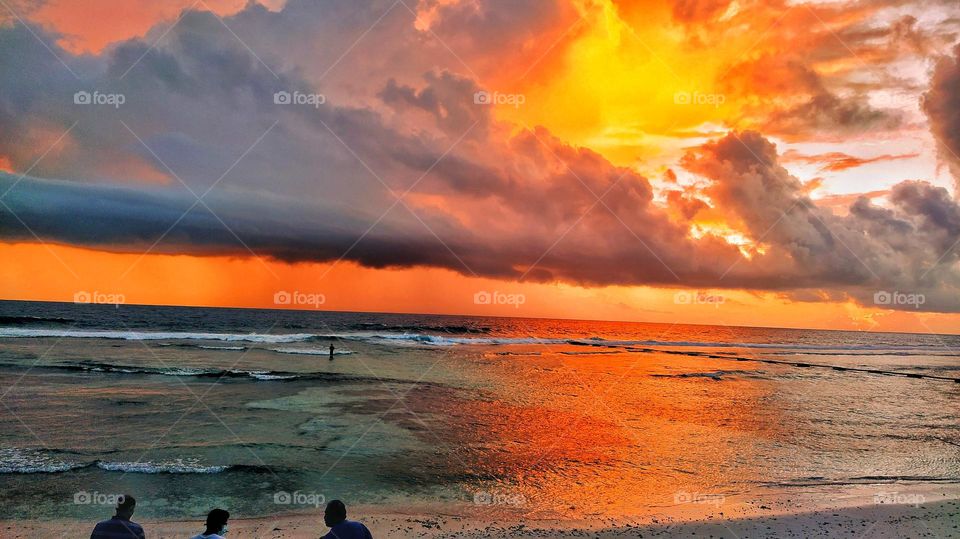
(178,466)
(28,461)
(311,351)
(11,332)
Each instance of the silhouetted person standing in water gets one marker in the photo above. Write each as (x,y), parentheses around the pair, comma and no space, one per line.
(335,517)
(120,526)
(331,352)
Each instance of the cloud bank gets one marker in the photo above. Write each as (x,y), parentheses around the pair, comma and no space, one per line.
(400,167)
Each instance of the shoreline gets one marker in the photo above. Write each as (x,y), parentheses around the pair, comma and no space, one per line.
(937,519)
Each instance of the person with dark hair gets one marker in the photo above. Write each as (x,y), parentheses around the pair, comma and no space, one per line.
(216,525)
(335,517)
(120,526)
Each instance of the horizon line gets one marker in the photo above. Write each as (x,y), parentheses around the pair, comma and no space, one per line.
(180,306)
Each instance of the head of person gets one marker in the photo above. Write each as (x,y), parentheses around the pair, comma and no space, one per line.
(335,513)
(125,506)
(217,522)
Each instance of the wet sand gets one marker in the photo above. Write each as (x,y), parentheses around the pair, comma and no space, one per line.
(938,519)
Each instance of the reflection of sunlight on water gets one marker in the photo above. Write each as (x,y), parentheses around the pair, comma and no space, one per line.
(613,434)
(541,429)
(599,434)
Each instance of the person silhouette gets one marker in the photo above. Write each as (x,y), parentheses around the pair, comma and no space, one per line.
(120,526)
(216,525)
(331,351)
(335,517)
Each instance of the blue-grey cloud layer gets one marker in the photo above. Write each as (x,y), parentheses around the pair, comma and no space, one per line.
(307,183)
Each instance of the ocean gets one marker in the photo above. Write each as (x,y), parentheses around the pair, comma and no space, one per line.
(191,408)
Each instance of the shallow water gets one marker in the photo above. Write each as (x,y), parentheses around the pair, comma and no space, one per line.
(189,408)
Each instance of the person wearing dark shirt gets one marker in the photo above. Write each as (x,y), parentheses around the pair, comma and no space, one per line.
(335,517)
(216,525)
(120,526)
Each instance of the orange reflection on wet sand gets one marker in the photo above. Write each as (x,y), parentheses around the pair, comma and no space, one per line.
(605,434)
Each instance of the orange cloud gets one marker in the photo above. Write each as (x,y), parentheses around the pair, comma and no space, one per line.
(91,25)
(837,161)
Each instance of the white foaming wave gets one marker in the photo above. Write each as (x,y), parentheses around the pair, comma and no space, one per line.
(311,351)
(423,339)
(178,466)
(14,460)
(180,371)
(8,332)
(264,375)
(437,340)
(267,376)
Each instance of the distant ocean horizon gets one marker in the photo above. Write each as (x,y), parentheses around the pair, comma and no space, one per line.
(190,407)
(467,315)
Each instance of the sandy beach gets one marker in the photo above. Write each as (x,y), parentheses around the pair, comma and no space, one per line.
(935,519)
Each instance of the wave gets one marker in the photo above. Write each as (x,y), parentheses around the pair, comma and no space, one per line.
(426,339)
(178,466)
(864,480)
(8,332)
(593,353)
(366,326)
(30,461)
(23,320)
(714,375)
(205,347)
(438,340)
(37,461)
(311,351)
(878,352)
(108,368)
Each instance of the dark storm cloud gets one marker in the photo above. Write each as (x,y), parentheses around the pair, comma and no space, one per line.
(942,106)
(303,183)
(905,247)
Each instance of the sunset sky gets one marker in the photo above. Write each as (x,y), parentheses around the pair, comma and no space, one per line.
(756,162)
